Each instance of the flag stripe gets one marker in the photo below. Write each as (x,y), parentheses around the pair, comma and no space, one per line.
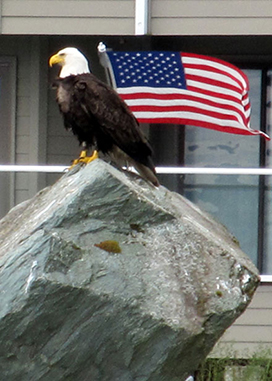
(184,88)
(175,101)
(212,71)
(130,93)
(187,118)
(193,109)
(160,101)
(225,67)
(211,83)
(203,123)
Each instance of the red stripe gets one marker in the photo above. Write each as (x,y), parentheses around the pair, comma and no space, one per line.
(217,60)
(185,96)
(209,69)
(214,94)
(195,110)
(192,98)
(193,122)
(213,82)
(247,107)
(160,108)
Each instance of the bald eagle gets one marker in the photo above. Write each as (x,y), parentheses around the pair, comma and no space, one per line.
(98,116)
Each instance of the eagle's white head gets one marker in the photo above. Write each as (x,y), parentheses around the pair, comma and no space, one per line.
(72,62)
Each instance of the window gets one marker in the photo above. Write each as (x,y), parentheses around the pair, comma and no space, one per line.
(240,202)
(231,199)
(266,227)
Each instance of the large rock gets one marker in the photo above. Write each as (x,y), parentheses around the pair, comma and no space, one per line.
(105,278)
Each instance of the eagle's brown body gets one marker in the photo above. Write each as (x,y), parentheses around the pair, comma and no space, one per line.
(100,118)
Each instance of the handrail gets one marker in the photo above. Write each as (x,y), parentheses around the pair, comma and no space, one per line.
(213,171)
(159,170)
(33,168)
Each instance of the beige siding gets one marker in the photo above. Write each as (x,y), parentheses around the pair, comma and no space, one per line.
(109,17)
(117,17)
(252,331)
(224,17)
(21,52)
(29,116)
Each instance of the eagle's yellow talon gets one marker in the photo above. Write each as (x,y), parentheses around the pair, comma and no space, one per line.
(84,159)
(88,159)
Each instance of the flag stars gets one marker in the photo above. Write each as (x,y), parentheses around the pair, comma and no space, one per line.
(148,68)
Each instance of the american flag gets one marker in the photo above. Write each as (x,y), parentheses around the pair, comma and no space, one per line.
(183,88)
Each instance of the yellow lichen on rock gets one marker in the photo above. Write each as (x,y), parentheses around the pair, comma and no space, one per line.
(110,245)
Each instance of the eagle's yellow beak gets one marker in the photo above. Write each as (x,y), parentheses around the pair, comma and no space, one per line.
(56,59)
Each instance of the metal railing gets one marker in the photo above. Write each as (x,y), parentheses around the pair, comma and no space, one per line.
(159,170)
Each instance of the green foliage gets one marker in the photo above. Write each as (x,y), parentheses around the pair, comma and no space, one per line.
(256,368)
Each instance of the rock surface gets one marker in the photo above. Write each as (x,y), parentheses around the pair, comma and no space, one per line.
(106,278)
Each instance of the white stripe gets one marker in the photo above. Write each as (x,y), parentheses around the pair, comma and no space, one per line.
(184,92)
(185,103)
(212,88)
(201,61)
(215,76)
(182,102)
(218,101)
(151,90)
(173,90)
(189,115)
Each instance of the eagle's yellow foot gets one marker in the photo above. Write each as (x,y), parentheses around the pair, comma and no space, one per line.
(84,159)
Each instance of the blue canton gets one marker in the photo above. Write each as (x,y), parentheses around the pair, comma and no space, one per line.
(153,69)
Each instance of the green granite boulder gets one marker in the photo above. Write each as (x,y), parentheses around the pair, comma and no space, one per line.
(104,277)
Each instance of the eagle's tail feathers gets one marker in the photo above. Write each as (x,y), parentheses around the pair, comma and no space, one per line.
(146,173)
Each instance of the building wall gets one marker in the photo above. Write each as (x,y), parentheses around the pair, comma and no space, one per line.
(116,17)
(68,17)
(198,17)
(12,48)
(30,112)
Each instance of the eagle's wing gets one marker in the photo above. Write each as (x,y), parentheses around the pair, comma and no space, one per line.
(113,116)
